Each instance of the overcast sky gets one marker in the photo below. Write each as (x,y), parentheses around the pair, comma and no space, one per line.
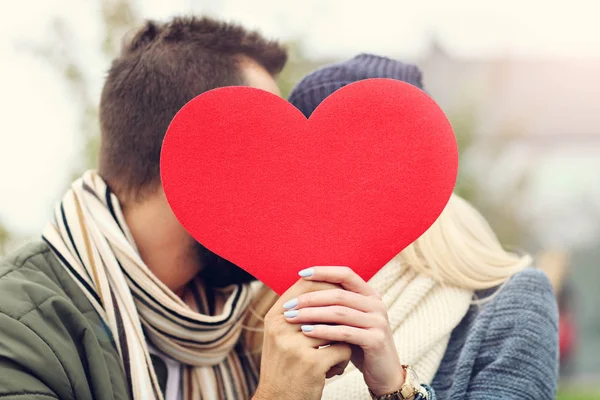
(38,139)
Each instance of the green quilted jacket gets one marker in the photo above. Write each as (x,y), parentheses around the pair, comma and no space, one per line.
(53,344)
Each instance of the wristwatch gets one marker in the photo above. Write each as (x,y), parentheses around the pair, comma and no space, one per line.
(409,390)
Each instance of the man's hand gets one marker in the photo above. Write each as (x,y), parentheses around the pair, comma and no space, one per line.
(293,366)
(354,314)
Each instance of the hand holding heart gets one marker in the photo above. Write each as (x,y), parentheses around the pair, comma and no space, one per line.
(294,366)
(254,181)
(333,305)
(352,313)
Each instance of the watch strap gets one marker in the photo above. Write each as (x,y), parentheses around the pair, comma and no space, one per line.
(410,390)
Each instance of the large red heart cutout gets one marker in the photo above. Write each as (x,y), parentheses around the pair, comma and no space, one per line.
(257,183)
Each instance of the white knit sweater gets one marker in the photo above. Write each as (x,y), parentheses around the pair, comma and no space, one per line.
(422,315)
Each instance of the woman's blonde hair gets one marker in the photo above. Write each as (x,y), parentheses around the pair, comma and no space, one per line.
(459,249)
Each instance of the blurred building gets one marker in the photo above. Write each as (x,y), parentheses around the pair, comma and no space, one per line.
(556,101)
(550,110)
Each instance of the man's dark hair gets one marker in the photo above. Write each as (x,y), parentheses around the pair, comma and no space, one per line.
(161,68)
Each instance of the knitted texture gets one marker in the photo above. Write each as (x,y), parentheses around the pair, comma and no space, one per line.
(422,315)
(506,349)
(319,84)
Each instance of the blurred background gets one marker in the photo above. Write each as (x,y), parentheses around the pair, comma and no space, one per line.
(520,81)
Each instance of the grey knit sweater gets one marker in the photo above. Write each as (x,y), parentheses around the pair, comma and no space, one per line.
(505,349)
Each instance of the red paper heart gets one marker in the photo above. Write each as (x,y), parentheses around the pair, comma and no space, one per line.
(254,181)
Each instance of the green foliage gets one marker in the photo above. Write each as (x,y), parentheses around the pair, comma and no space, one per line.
(4,238)
(501,209)
(298,65)
(574,393)
(117,17)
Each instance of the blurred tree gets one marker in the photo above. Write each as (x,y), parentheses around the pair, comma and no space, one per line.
(501,208)
(293,70)
(117,17)
(297,66)
(4,238)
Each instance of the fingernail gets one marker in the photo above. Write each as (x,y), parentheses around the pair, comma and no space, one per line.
(291,314)
(307,328)
(290,303)
(305,273)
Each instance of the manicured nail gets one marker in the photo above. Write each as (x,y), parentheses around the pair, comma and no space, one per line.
(307,328)
(291,314)
(290,303)
(305,273)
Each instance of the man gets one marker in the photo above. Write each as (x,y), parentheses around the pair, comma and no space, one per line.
(118,301)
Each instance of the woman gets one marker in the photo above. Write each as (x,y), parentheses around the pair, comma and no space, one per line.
(472,320)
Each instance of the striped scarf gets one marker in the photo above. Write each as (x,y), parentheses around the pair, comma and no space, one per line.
(92,241)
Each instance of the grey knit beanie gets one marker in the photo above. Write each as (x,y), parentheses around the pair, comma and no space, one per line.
(317,85)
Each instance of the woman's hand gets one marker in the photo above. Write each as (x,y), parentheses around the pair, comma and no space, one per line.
(355,315)
(293,366)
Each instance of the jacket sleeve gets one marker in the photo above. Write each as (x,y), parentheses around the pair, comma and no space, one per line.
(430,393)
(519,357)
(29,368)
